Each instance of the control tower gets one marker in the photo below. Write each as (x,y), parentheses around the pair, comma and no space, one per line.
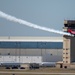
(69,44)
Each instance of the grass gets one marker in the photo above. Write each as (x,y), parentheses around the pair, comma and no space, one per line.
(43,70)
(51,70)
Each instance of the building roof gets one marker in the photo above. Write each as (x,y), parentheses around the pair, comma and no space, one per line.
(31,39)
(72,22)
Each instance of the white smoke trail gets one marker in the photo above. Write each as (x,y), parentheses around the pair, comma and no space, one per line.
(20,21)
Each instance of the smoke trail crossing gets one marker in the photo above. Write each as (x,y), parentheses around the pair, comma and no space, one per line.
(23,22)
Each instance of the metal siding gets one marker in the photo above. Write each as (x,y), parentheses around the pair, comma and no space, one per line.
(31,55)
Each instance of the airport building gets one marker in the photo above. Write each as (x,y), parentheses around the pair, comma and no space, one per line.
(42,50)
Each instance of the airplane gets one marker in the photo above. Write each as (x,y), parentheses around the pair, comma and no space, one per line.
(71,31)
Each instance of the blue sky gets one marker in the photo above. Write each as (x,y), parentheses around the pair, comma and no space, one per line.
(48,13)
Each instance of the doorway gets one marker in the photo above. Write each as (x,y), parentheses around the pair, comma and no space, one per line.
(65,66)
(61,66)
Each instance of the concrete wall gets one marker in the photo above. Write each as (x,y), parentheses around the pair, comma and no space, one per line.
(72,49)
(66,49)
(72,66)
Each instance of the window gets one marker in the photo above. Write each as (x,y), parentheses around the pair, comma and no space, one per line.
(66,61)
(66,53)
(51,54)
(66,57)
(8,53)
(66,48)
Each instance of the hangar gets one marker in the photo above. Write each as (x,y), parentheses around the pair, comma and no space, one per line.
(30,49)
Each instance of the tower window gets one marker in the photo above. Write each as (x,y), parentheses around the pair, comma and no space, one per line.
(66,61)
(66,53)
(66,48)
(66,57)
